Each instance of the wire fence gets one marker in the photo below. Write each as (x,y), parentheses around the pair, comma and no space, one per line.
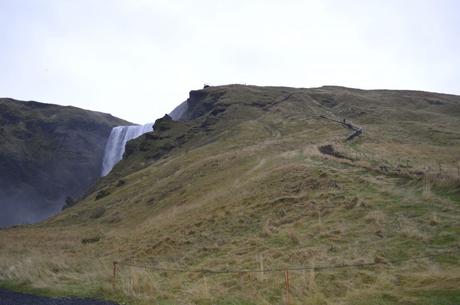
(287,288)
(288,268)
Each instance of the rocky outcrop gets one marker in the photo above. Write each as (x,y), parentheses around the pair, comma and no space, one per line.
(201,102)
(163,124)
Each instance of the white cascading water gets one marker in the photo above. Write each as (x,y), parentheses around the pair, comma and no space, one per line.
(115,147)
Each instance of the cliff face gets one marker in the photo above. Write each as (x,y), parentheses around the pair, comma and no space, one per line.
(47,153)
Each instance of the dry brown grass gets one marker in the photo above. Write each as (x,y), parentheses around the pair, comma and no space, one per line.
(259,196)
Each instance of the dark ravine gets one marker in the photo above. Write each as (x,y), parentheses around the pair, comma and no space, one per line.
(48,153)
(15,298)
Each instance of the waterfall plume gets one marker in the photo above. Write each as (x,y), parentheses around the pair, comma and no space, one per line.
(115,146)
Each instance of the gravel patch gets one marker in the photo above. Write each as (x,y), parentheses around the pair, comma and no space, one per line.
(15,298)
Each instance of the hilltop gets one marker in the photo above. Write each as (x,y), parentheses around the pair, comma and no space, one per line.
(47,153)
(263,178)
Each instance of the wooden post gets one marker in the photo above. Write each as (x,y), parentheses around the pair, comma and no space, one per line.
(114,276)
(260,258)
(311,278)
(319,216)
(286,286)
(206,291)
(304,276)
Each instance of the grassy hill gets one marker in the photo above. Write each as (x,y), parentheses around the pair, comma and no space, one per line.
(47,153)
(261,178)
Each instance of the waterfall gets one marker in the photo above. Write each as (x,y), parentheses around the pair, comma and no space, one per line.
(115,147)
(120,135)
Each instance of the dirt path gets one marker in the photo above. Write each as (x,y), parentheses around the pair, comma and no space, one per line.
(14,298)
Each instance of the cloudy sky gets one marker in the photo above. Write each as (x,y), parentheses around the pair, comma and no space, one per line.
(138,59)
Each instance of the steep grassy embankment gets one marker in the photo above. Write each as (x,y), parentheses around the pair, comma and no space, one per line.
(47,153)
(241,183)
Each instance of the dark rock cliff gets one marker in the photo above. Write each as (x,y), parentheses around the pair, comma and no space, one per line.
(47,153)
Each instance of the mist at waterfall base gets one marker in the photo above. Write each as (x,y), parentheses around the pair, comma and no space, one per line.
(115,147)
(25,208)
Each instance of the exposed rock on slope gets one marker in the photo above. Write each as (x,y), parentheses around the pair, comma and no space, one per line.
(48,154)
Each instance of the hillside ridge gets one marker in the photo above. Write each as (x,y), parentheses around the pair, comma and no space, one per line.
(253,178)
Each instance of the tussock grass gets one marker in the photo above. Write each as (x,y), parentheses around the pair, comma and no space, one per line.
(252,191)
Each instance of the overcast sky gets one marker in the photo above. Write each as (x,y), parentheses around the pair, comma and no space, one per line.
(138,59)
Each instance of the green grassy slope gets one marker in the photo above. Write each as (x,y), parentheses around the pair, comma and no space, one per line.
(241,183)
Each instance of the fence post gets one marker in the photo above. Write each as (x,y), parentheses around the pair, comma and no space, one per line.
(206,290)
(319,217)
(286,286)
(260,258)
(304,277)
(114,276)
(311,278)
